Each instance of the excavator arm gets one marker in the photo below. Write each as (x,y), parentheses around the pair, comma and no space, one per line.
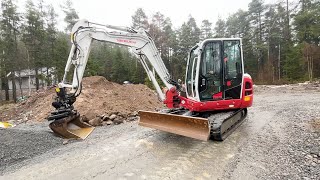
(82,36)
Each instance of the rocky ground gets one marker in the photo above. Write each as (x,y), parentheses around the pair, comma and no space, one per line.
(280,139)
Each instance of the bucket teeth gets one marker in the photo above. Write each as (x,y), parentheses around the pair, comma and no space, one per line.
(71,127)
(193,127)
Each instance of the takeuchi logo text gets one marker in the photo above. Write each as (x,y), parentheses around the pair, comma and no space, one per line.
(126,41)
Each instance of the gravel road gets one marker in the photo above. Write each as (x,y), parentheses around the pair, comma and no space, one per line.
(280,139)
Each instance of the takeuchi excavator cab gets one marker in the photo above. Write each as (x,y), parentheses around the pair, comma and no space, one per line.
(215,70)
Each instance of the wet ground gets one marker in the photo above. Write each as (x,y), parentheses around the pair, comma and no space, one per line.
(277,141)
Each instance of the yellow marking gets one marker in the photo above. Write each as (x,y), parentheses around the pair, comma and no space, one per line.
(57,89)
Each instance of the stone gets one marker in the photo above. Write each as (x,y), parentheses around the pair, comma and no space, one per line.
(132,118)
(135,113)
(113,116)
(308,156)
(109,122)
(105,117)
(118,121)
(84,118)
(96,121)
(66,141)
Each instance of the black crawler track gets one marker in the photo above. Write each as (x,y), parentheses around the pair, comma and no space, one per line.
(224,123)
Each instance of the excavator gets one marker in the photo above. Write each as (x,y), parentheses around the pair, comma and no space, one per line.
(210,104)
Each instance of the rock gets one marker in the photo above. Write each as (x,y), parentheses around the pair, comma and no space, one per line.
(112,117)
(122,115)
(314,150)
(96,121)
(105,117)
(66,141)
(308,156)
(132,118)
(313,164)
(135,113)
(109,122)
(84,118)
(118,121)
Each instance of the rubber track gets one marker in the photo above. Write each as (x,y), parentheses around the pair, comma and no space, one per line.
(221,121)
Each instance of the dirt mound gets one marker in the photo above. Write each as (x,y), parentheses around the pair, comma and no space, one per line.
(99,97)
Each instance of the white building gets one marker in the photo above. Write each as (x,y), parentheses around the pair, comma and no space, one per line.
(27,78)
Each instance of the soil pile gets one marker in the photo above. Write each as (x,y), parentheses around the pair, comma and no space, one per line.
(99,98)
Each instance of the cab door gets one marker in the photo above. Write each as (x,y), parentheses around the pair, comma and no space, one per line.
(233,69)
(210,76)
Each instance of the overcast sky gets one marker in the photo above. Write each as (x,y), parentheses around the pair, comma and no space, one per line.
(119,12)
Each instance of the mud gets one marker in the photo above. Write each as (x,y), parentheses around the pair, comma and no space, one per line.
(278,140)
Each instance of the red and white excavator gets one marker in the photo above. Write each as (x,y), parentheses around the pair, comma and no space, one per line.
(217,92)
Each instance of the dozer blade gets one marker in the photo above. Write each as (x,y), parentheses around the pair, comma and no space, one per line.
(193,127)
(71,127)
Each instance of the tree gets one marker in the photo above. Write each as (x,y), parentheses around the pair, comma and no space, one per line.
(220,28)
(189,35)
(34,36)
(256,10)
(60,54)
(51,36)
(307,22)
(206,31)
(71,16)
(139,19)
(119,72)
(10,20)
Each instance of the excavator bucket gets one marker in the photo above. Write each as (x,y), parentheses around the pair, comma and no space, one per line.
(71,127)
(193,127)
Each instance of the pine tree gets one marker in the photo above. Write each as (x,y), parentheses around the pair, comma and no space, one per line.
(51,36)
(220,28)
(206,31)
(34,36)
(140,19)
(10,21)
(71,16)
(256,12)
